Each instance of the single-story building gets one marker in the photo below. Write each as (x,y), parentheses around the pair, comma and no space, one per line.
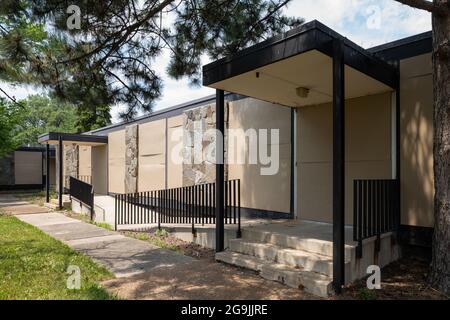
(353,134)
(24,169)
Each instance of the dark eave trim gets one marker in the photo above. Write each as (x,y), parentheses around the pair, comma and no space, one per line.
(165,113)
(404,48)
(310,36)
(54,136)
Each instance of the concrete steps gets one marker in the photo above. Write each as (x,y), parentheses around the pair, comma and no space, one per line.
(312,282)
(296,258)
(295,261)
(312,245)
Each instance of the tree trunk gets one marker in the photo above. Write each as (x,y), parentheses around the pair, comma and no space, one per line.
(440,266)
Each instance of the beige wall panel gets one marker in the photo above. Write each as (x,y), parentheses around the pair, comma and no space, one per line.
(27,167)
(151,170)
(259,191)
(116,161)
(252,113)
(416,153)
(368,152)
(174,157)
(416,66)
(100,169)
(85,161)
(263,192)
(176,121)
(315,191)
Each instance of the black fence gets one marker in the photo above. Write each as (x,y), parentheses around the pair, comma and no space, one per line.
(375,210)
(82,191)
(185,205)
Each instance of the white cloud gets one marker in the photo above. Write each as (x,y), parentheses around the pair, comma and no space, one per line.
(350,18)
(18,92)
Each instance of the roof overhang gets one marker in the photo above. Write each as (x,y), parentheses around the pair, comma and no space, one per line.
(301,58)
(72,138)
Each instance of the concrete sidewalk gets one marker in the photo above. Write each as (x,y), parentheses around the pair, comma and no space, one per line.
(10,204)
(122,255)
(144,271)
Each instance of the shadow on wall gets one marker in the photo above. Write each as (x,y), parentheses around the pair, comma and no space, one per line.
(264,192)
(417,153)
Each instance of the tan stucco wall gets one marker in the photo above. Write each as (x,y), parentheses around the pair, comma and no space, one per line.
(100,169)
(116,161)
(151,163)
(84,161)
(368,152)
(174,152)
(27,167)
(416,153)
(258,191)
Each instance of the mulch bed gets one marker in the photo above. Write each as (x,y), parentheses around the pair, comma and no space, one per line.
(405,279)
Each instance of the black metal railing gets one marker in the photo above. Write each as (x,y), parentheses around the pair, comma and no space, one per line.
(184,205)
(82,191)
(375,210)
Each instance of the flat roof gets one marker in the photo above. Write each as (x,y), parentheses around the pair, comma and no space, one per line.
(395,50)
(404,48)
(309,36)
(72,138)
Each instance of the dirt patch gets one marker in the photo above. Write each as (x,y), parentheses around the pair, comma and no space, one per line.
(202,280)
(168,241)
(405,279)
(206,279)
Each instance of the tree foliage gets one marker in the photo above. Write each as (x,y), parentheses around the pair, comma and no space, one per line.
(10,117)
(111,58)
(22,122)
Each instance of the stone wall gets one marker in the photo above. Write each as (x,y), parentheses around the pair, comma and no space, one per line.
(7,169)
(71,162)
(198,146)
(131,158)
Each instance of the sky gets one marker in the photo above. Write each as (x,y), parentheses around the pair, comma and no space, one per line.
(365,22)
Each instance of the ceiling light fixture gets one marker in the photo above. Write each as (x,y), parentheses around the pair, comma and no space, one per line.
(302,92)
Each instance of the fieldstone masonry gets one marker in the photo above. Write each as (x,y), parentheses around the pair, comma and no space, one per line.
(131,158)
(199,144)
(7,169)
(71,159)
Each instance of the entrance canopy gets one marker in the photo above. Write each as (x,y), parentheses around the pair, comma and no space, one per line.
(72,138)
(308,65)
(295,69)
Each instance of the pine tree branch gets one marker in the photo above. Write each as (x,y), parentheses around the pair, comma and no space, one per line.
(13,99)
(430,6)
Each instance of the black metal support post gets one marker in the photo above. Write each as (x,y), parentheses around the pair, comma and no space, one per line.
(220,177)
(47,173)
(293,160)
(338,165)
(60,169)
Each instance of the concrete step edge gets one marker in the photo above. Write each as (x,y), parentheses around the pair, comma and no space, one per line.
(286,256)
(323,247)
(311,282)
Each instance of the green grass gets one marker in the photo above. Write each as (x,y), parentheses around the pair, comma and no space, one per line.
(37,197)
(87,219)
(366,294)
(33,266)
